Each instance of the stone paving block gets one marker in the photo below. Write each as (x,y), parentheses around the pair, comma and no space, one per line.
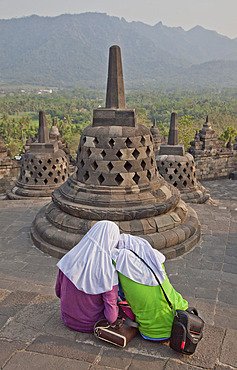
(206,293)
(3,320)
(8,349)
(227,293)
(115,357)
(147,362)
(55,326)
(33,361)
(231,268)
(225,316)
(177,365)
(229,348)
(59,346)
(208,349)
(36,314)
(15,301)
(17,331)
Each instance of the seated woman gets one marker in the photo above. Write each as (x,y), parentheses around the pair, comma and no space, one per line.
(141,289)
(87,282)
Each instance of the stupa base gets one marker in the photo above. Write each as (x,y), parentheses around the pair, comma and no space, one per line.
(172,242)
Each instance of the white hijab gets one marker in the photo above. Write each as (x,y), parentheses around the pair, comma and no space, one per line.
(89,264)
(128,264)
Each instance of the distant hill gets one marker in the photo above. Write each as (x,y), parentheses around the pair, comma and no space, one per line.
(72,50)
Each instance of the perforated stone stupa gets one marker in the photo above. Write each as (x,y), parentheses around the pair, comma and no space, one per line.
(116,178)
(43,168)
(178,167)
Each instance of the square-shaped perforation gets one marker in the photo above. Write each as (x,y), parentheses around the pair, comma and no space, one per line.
(128,166)
(128,142)
(86,176)
(101,179)
(136,178)
(111,143)
(119,179)
(135,153)
(94,165)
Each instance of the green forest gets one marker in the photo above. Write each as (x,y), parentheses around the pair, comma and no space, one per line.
(72,110)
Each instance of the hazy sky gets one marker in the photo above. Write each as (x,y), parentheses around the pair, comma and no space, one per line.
(218,15)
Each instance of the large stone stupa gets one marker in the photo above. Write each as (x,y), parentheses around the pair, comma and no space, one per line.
(116,178)
(44,167)
(178,167)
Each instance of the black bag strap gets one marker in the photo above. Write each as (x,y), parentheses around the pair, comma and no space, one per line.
(128,321)
(158,281)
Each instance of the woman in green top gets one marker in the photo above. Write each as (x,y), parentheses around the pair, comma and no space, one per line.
(141,289)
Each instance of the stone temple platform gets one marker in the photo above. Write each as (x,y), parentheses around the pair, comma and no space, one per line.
(32,335)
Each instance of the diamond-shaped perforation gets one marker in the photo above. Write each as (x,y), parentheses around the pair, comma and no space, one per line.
(119,154)
(110,166)
(57,160)
(55,180)
(40,162)
(50,174)
(84,139)
(53,167)
(111,143)
(49,161)
(192,182)
(103,153)
(128,166)
(101,179)
(152,161)
(45,181)
(89,152)
(170,177)
(184,170)
(119,179)
(86,176)
(188,176)
(166,170)
(148,175)
(95,141)
(143,164)
(175,184)
(135,153)
(179,165)
(185,183)
(40,174)
(36,181)
(136,178)
(82,163)
(180,177)
(148,151)
(44,168)
(176,171)
(143,141)
(171,164)
(94,165)
(128,142)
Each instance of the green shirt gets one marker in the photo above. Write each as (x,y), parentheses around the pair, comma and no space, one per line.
(150,307)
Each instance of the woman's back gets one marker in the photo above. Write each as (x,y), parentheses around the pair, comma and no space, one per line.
(150,306)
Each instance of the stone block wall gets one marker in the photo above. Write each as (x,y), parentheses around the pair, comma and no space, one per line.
(9,172)
(215,167)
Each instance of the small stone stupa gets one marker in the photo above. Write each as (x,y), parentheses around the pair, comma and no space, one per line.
(43,168)
(178,167)
(116,179)
(157,137)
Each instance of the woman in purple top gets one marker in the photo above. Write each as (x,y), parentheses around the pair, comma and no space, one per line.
(87,282)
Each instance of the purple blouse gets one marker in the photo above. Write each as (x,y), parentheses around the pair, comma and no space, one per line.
(80,310)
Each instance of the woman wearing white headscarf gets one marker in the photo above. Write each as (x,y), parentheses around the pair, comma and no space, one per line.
(142,290)
(87,282)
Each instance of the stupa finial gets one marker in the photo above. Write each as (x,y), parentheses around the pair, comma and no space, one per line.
(115,97)
(43,128)
(173,132)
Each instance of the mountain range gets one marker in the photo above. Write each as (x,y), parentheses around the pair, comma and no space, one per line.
(72,51)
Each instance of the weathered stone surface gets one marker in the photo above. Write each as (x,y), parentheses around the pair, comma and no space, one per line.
(43,168)
(116,178)
(212,160)
(178,168)
(229,348)
(29,361)
(8,349)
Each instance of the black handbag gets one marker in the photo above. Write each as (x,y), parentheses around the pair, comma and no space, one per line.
(187,328)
